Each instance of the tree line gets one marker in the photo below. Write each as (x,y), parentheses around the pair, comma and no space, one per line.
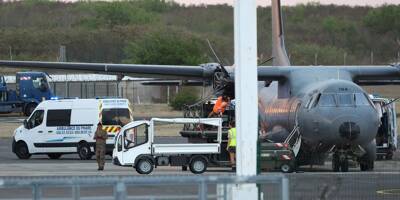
(164,32)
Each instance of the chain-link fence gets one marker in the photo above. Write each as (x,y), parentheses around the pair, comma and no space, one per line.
(132,90)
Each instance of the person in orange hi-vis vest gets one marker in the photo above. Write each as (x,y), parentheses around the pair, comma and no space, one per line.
(219,107)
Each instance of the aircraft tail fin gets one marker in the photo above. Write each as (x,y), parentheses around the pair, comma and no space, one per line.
(279,54)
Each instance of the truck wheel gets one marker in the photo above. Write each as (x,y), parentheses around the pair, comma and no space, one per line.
(84,151)
(30,108)
(198,165)
(54,155)
(144,166)
(286,168)
(22,151)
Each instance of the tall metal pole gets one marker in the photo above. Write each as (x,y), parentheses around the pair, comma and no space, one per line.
(246,95)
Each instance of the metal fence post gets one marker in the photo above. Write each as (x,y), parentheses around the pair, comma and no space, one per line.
(81,90)
(285,188)
(67,89)
(76,192)
(221,191)
(117,88)
(94,89)
(202,190)
(120,191)
(36,192)
(107,89)
(55,88)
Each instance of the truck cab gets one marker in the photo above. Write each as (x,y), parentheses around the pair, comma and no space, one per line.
(31,89)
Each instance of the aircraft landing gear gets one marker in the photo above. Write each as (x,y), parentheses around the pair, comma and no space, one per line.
(340,162)
(366,164)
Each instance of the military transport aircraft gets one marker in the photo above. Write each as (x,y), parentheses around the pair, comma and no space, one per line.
(325,103)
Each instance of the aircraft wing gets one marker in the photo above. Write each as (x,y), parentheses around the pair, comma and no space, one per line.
(375,75)
(177,82)
(204,71)
(362,75)
(273,73)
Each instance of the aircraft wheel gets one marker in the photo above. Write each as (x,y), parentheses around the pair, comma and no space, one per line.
(335,163)
(344,165)
(198,165)
(54,155)
(22,151)
(367,166)
(144,166)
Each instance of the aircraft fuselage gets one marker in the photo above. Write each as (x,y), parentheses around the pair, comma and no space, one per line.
(330,109)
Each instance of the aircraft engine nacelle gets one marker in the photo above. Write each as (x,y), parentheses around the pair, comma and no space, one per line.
(278,117)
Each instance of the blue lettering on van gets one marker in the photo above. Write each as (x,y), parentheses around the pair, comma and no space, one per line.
(115,102)
(74,129)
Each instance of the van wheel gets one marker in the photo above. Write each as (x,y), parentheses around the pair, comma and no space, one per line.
(198,165)
(22,151)
(286,168)
(54,155)
(30,108)
(144,166)
(84,151)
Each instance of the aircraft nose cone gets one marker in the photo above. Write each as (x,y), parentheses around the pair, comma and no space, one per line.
(349,130)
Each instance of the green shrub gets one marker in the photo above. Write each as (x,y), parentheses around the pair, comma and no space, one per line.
(184,97)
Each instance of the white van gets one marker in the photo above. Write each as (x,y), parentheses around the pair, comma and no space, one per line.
(67,126)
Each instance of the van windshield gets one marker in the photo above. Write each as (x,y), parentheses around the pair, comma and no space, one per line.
(115,116)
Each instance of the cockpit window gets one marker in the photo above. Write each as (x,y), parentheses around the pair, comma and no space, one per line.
(345,99)
(327,100)
(361,99)
(313,101)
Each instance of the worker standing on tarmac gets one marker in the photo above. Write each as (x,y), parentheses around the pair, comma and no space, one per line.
(100,137)
(231,147)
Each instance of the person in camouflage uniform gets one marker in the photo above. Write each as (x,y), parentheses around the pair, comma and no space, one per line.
(100,137)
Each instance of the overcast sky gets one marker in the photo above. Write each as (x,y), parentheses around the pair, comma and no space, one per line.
(294,2)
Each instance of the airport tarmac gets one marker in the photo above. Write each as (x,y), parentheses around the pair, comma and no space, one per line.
(316,183)
(308,183)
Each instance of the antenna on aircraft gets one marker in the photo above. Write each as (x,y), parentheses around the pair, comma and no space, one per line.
(219,60)
(265,61)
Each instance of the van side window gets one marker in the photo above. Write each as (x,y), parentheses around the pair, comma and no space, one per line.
(36,119)
(135,136)
(58,117)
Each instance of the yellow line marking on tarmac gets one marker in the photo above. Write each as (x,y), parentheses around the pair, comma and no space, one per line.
(389,192)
